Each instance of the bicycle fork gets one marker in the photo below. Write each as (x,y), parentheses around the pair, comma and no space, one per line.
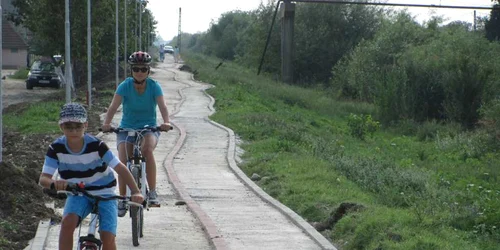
(140,170)
(90,242)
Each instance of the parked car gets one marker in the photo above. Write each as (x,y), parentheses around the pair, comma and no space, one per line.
(43,74)
(169,49)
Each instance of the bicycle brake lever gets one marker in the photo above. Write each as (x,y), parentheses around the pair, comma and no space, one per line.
(54,194)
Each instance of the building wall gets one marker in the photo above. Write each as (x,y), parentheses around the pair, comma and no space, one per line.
(13,59)
(7,6)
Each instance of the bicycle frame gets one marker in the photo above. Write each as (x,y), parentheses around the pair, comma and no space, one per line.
(89,242)
(137,162)
(137,166)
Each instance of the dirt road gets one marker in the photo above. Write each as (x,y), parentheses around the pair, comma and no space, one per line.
(14,91)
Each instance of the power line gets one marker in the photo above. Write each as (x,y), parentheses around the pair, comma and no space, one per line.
(396,4)
(268,37)
(366,3)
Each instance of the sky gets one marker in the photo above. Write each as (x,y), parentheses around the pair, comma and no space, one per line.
(196,15)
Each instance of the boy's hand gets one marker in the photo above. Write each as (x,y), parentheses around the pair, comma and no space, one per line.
(137,198)
(59,185)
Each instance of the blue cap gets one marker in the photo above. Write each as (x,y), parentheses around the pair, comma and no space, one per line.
(72,112)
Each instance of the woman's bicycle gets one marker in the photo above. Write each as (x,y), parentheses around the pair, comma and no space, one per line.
(136,164)
(90,241)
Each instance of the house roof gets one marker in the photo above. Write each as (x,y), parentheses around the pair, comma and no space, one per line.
(10,38)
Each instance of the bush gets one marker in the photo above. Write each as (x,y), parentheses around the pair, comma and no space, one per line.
(429,130)
(356,74)
(491,117)
(422,73)
(362,125)
(467,145)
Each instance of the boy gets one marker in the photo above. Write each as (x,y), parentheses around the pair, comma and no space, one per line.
(80,157)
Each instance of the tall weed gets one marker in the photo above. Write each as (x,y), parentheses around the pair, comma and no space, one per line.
(466,145)
(390,184)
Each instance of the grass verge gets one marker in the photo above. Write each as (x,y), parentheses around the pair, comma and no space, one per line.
(429,187)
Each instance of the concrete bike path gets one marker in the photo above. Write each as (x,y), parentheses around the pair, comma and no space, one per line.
(240,214)
(166,227)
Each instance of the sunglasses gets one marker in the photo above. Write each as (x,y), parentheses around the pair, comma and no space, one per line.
(72,126)
(137,69)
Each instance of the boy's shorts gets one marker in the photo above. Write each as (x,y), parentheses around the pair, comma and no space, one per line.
(82,206)
(122,136)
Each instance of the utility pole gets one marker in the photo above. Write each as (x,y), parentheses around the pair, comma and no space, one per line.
(179,32)
(149,31)
(135,21)
(150,43)
(287,15)
(1,89)
(116,44)
(147,34)
(67,61)
(89,54)
(125,3)
(475,20)
(140,25)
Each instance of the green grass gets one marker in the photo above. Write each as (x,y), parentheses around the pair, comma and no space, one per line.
(424,186)
(21,74)
(41,117)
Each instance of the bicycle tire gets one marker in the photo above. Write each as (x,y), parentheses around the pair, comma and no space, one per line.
(141,219)
(142,216)
(135,214)
(88,246)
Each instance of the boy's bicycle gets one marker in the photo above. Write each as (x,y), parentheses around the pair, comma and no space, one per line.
(90,241)
(136,164)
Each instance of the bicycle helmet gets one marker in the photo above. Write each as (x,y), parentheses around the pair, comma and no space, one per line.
(139,57)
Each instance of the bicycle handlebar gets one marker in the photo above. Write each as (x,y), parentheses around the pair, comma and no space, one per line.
(152,129)
(76,189)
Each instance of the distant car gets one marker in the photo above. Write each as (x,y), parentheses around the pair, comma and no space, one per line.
(43,74)
(168,49)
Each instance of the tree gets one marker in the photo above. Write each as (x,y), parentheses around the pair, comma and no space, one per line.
(324,33)
(492,26)
(46,20)
(49,30)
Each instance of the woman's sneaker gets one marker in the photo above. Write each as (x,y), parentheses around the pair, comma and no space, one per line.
(122,208)
(153,198)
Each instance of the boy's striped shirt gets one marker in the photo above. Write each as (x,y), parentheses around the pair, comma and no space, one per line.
(90,166)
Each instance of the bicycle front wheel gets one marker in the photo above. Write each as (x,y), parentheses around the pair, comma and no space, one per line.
(141,222)
(136,214)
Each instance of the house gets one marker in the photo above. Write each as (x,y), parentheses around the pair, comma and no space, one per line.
(14,48)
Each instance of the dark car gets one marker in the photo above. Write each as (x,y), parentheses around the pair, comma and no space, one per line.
(43,74)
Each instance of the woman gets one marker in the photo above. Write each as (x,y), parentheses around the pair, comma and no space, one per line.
(139,95)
